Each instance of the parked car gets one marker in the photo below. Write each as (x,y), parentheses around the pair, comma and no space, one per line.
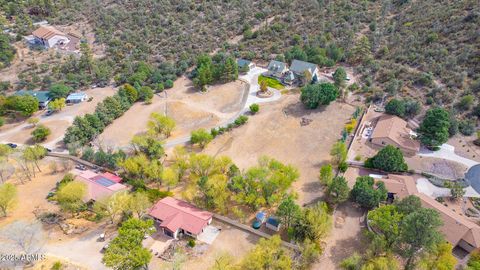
(80,167)
(12,145)
(49,112)
(256,224)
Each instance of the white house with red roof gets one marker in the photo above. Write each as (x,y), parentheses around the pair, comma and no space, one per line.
(176,216)
(99,186)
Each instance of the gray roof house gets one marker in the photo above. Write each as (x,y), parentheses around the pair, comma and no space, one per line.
(241,63)
(276,69)
(76,98)
(43,97)
(299,67)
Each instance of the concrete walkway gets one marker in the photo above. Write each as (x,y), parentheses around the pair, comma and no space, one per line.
(447,151)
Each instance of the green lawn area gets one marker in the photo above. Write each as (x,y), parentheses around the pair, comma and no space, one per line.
(271,82)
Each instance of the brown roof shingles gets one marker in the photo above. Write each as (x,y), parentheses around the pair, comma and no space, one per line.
(46,32)
(395,128)
(455,227)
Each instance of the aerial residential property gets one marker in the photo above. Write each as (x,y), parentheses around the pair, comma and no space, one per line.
(276,69)
(99,186)
(300,67)
(75,98)
(392,130)
(42,96)
(49,37)
(461,232)
(222,135)
(178,217)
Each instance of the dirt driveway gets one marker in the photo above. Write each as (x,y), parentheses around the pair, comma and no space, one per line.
(345,239)
(189,108)
(57,122)
(276,132)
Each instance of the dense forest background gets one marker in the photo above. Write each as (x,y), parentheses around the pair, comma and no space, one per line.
(428,50)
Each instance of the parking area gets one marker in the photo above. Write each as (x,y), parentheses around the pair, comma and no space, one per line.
(209,234)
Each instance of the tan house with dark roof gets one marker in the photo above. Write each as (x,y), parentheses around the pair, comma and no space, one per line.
(457,229)
(393,130)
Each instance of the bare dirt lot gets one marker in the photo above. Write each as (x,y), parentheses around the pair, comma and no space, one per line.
(437,166)
(230,241)
(276,132)
(464,147)
(32,194)
(346,237)
(189,108)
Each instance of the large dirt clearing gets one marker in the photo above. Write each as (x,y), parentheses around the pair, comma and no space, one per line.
(189,108)
(276,132)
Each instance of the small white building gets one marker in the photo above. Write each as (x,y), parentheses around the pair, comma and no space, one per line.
(75,98)
(49,37)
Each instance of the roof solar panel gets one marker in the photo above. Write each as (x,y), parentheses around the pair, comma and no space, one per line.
(105,182)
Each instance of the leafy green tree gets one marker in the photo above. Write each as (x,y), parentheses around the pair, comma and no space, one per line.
(339,152)
(57,104)
(26,104)
(434,128)
(160,125)
(362,51)
(41,133)
(8,197)
(381,263)
(408,205)
(314,95)
(201,137)
(386,220)
(353,262)
(440,257)
(340,76)
(474,261)
(114,205)
(389,159)
(7,51)
(145,93)
(367,193)
(131,92)
(466,102)
(126,251)
(254,108)
(2,121)
(338,190)
(149,146)
(288,211)
(326,175)
(70,195)
(419,232)
(315,223)
(59,90)
(395,107)
(33,121)
(267,254)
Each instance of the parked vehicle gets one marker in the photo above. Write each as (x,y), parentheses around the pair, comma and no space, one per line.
(49,112)
(12,145)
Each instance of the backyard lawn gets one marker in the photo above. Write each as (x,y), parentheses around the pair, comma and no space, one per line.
(271,82)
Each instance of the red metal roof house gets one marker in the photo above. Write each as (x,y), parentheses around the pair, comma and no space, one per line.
(99,186)
(176,216)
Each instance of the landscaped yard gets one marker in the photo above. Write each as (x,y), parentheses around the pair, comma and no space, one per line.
(271,82)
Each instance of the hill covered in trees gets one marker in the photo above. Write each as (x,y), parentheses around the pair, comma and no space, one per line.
(410,48)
